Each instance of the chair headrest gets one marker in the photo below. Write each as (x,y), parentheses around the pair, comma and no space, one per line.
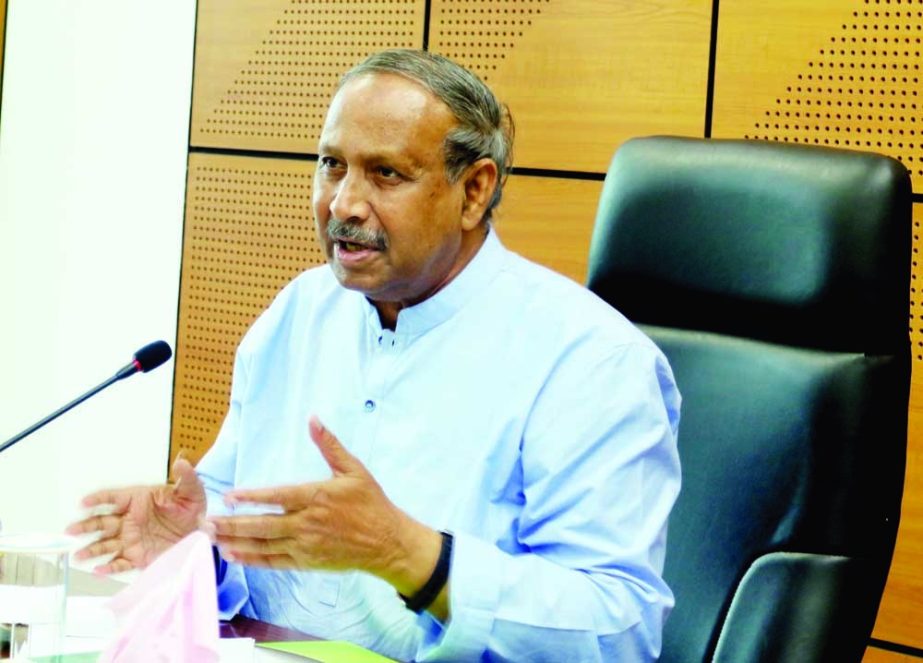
(772,241)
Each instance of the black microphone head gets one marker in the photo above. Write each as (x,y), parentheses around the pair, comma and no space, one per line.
(152,355)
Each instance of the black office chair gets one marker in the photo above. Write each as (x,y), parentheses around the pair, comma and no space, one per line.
(775,278)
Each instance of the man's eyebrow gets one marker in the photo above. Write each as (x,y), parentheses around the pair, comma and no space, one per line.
(393,157)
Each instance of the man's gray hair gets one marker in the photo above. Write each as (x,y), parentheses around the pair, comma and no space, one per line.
(485,127)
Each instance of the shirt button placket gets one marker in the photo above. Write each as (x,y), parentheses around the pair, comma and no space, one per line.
(379,371)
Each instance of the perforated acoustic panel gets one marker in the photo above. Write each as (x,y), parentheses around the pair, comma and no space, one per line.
(843,73)
(916,289)
(581,76)
(265,69)
(480,35)
(899,617)
(846,75)
(248,232)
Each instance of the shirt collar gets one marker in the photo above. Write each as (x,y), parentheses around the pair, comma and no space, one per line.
(431,312)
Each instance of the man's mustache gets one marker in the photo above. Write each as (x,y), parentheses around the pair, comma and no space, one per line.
(342,231)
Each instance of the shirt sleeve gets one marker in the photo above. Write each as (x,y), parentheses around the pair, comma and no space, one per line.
(232,588)
(217,470)
(600,475)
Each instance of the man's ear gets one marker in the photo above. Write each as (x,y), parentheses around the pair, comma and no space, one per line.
(480,183)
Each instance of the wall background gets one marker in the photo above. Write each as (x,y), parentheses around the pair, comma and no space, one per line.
(95,136)
(581,77)
(93,143)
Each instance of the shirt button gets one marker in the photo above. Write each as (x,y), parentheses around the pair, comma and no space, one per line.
(370,406)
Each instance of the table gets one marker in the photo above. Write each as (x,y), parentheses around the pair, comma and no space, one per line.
(244,627)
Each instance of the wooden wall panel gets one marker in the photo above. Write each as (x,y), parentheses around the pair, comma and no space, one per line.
(248,232)
(265,69)
(842,73)
(875,655)
(582,76)
(830,72)
(549,220)
(900,618)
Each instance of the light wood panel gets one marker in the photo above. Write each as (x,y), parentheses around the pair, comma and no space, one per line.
(549,220)
(265,69)
(875,655)
(916,293)
(900,617)
(844,74)
(582,76)
(830,72)
(249,231)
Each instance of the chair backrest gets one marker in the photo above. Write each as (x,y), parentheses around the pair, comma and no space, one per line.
(775,277)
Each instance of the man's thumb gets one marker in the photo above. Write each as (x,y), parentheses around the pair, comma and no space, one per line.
(336,455)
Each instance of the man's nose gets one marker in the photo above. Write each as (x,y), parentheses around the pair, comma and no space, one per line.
(351,199)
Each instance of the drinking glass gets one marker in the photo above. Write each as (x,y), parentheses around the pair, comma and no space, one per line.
(33,594)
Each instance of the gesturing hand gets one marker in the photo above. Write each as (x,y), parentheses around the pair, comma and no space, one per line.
(346,522)
(145,520)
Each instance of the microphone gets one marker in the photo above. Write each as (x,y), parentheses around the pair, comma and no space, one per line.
(146,359)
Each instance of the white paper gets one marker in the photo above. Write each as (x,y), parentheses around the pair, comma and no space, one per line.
(88,617)
(25,604)
(236,650)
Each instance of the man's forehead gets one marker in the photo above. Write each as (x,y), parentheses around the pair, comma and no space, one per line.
(388,112)
(376,80)
(388,92)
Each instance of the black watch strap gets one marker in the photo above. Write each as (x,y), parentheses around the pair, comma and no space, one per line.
(430,590)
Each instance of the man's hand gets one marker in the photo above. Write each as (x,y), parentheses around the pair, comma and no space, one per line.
(145,520)
(346,522)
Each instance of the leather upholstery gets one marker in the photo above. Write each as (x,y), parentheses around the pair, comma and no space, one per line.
(775,278)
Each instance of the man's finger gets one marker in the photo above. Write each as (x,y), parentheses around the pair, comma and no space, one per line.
(250,527)
(186,482)
(98,549)
(235,545)
(108,525)
(265,561)
(337,456)
(118,565)
(290,498)
(85,526)
(119,499)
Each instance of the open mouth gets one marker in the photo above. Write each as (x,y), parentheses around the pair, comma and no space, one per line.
(354,254)
(352,246)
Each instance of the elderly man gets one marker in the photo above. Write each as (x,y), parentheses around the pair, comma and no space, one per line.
(434,448)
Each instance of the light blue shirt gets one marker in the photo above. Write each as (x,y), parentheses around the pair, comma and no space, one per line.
(513,408)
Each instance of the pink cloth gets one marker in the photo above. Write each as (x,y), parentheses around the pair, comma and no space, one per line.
(170,612)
